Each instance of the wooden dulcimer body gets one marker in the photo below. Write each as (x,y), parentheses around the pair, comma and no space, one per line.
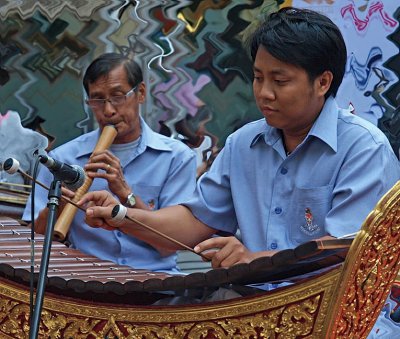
(341,295)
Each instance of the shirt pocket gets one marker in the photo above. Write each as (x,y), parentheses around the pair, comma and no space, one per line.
(309,209)
(149,194)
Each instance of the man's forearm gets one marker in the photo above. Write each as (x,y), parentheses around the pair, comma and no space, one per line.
(176,222)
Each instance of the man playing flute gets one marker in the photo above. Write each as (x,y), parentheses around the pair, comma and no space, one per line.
(141,169)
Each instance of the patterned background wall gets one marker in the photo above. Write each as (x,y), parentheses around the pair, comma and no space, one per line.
(198,75)
(196,68)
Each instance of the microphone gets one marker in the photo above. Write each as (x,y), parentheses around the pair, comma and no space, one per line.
(73,176)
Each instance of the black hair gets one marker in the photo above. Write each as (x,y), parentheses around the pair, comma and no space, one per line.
(107,62)
(306,39)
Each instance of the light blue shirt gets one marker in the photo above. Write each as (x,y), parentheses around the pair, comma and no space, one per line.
(327,185)
(162,172)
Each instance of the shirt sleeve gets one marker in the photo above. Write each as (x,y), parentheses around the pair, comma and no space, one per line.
(181,179)
(360,184)
(41,194)
(212,201)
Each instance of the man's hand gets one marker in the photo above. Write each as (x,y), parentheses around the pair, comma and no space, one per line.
(41,220)
(111,171)
(99,205)
(227,251)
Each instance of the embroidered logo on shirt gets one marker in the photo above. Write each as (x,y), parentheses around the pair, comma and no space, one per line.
(309,228)
(151,204)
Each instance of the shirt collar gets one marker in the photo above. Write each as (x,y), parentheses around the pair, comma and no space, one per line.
(149,139)
(324,128)
(262,136)
(152,139)
(88,143)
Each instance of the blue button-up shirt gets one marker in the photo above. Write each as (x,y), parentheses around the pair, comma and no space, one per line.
(161,171)
(327,185)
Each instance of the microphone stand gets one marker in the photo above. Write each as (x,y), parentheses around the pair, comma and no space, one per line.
(53,202)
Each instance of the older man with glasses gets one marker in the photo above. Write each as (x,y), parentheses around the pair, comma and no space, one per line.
(142,169)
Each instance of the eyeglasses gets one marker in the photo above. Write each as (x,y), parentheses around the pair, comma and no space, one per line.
(116,100)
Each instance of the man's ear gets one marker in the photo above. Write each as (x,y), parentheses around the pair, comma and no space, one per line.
(141,93)
(323,82)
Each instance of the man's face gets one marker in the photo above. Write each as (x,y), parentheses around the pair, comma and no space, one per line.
(285,95)
(125,117)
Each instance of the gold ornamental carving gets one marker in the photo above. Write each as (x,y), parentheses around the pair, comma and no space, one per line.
(342,302)
(370,268)
(297,310)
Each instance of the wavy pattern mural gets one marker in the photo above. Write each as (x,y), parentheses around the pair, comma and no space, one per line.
(197,72)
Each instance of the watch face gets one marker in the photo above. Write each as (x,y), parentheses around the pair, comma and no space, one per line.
(131,200)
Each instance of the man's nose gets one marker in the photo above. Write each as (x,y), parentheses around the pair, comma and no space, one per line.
(267,92)
(109,109)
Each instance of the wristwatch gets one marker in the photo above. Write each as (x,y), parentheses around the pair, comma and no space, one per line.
(130,200)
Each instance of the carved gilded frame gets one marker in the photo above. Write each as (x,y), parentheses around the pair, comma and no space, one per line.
(369,271)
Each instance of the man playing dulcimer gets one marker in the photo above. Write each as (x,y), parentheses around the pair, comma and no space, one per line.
(309,169)
(141,169)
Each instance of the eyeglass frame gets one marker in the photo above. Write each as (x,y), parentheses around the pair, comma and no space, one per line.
(102,102)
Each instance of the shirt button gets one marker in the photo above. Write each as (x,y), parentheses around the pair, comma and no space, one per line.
(278,210)
(284,170)
(119,234)
(123,261)
(274,245)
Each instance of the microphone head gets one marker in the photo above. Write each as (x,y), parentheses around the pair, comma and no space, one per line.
(46,160)
(73,186)
(43,158)
(11,165)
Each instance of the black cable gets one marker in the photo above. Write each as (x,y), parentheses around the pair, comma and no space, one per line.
(31,280)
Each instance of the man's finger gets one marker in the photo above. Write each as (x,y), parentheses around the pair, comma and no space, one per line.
(95,196)
(86,198)
(99,212)
(217,242)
